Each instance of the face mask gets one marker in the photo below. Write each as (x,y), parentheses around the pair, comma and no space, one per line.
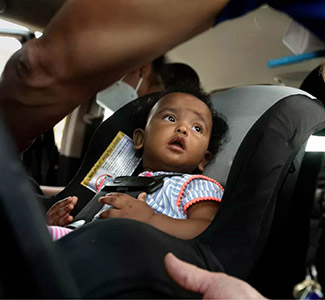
(117,95)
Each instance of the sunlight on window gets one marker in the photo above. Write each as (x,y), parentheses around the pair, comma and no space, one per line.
(107,113)
(38,34)
(9,45)
(316,144)
(10,25)
(58,133)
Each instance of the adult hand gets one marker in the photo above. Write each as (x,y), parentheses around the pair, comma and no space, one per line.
(210,284)
(59,213)
(125,206)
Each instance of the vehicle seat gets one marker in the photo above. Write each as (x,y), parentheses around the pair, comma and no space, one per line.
(244,108)
(285,250)
(124,258)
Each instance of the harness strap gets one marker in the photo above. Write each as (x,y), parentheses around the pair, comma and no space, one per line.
(131,185)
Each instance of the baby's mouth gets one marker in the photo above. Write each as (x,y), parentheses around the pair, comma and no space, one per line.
(178,142)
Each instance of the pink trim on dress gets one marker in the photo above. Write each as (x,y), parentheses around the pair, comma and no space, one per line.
(180,195)
(196,200)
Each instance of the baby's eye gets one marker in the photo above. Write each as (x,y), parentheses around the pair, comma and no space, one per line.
(170,118)
(197,128)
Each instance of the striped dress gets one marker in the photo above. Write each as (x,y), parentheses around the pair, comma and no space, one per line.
(173,199)
(179,193)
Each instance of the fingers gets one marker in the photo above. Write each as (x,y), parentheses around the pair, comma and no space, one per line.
(110,213)
(58,214)
(113,199)
(65,220)
(142,197)
(66,201)
(186,275)
(123,205)
(212,285)
(61,220)
(117,200)
(74,200)
(63,206)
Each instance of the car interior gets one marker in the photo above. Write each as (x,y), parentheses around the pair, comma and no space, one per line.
(266,166)
(268,230)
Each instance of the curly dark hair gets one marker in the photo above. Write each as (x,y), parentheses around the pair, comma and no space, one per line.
(219,125)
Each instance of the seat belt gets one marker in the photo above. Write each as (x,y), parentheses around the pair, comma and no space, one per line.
(131,185)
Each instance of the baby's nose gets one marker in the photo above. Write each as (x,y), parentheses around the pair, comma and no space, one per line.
(182,130)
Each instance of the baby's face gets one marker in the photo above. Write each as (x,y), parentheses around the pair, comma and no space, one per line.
(177,134)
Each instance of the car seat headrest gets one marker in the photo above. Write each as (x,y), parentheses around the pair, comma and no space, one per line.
(242,107)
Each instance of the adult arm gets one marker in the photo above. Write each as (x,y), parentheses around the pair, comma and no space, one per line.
(87,46)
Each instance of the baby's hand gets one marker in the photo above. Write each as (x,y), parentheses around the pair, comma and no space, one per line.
(59,213)
(125,206)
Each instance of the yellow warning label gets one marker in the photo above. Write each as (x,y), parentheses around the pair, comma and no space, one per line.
(94,170)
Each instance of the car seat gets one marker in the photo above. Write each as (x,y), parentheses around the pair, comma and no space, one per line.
(121,258)
(282,263)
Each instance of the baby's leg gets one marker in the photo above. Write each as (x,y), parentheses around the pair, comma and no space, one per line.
(58,232)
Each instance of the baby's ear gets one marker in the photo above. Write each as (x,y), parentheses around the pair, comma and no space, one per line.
(138,136)
(206,158)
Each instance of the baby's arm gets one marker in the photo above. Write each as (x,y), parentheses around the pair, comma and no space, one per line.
(59,213)
(199,215)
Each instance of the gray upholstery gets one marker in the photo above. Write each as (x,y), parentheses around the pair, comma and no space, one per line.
(242,107)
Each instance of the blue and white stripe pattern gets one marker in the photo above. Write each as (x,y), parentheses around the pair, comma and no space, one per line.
(181,191)
(178,193)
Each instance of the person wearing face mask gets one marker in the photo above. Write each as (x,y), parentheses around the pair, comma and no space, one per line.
(137,83)
(153,77)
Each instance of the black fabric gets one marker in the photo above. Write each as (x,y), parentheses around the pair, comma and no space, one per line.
(36,187)
(41,159)
(68,167)
(30,265)
(125,255)
(285,251)
(314,84)
(244,219)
